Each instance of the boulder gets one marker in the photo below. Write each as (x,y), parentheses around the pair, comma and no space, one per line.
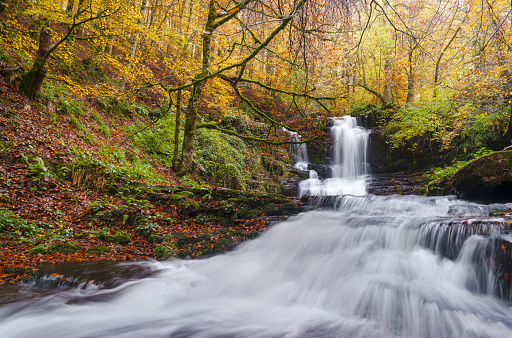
(486,178)
(323,170)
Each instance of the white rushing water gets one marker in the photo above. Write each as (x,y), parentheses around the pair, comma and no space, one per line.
(300,150)
(348,167)
(375,267)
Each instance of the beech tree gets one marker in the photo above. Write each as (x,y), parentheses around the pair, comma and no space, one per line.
(86,11)
(292,20)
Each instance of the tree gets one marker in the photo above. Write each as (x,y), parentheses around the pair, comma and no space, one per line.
(87,11)
(290,17)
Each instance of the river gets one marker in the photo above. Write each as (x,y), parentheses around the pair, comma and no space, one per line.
(362,266)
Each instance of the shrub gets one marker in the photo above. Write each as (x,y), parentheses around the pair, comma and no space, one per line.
(156,140)
(104,130)
(10,222)
(223,158)
(431,119)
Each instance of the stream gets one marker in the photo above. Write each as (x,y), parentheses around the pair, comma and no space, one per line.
(355,265)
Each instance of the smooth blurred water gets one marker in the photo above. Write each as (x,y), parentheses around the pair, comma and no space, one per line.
(348,162)
(372,267)
(300,150)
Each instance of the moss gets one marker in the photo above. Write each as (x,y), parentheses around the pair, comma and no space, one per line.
(490,175)
(120,238)
(64,248)
(98,250)
(166,250)
(247,213)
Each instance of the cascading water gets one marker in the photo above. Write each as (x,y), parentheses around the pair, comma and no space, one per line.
(362,266)
(372,267)
(301,151)
(348,167)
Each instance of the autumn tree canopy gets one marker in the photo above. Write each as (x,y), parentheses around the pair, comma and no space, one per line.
(310,56)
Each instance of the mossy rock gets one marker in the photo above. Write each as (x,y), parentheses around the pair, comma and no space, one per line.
(64,248)
(486,178)
(98,250)
(503,268)
(247,213)
(120,238)
(166,250)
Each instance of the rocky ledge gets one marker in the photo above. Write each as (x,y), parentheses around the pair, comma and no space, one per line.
(486,178)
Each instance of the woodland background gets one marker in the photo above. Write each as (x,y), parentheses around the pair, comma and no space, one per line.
(98,93)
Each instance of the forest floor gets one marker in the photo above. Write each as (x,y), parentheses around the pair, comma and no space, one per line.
(44,217)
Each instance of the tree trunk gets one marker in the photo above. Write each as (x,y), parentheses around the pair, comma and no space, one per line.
(410,80)
(387,81)
(191,112)
(436,73)
(33,79)
(177,133)
(69,8)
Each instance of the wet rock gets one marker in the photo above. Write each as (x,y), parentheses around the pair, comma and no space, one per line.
(290,185)
(399,184)
(487,178)
(323,170)
(378,152)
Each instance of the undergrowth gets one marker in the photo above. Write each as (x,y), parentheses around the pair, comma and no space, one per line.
(438,178)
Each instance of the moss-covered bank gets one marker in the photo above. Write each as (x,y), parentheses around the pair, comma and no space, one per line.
(489,177)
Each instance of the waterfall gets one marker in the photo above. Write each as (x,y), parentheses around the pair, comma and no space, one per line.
(301,151)
(358,266)
(372,266)
(348,164)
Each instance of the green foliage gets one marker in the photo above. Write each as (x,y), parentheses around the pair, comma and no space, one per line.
(122,237)
(64,248)
(50,91)
(14,227)
(94,69)
(148,229)
(6,145)
(71,107)
(236,122)
(76,123)
(102,233)
(205,219)
(185,180)
(374,116)
(437,178)
(122,106)
(119,237)
(36,167)
(113,163)
(166,250)
(104,130)
(222,157)
(98,250)
(185,199)
(481,129)
(61,97)
(157,139)
(5,60)
(12,223)
(431,119)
